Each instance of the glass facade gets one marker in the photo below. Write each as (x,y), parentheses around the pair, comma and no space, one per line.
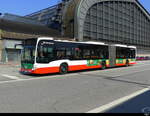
(46,16)
(52,16)
(117,22)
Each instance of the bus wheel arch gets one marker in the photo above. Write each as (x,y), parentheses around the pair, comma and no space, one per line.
(63,68)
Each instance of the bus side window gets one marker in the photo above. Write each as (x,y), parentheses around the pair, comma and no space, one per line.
(118,53)
(77,53)
(86,54)
(94,52)
(133,52)
(101,52)
(61,53)
(69,53)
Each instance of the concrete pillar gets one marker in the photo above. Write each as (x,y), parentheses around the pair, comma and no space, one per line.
(1,45)
(0,50)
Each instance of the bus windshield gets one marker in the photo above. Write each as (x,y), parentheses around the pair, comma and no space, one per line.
(28,54)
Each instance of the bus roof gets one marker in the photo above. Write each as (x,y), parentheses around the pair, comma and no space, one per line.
(132,47)
(120,45)
(86,42)
(125,46)
(45,38)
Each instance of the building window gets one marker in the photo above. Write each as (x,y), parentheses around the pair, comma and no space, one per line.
(119,21)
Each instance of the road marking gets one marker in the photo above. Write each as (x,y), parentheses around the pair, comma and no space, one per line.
(108,106)
(11,77)
(17,79)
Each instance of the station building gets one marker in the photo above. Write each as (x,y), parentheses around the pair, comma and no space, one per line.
(110,21)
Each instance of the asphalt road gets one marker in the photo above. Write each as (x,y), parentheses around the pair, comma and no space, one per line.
(77,92)
(139,104)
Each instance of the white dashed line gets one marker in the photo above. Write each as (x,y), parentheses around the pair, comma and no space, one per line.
(17,79)
(108,106)
(11,77)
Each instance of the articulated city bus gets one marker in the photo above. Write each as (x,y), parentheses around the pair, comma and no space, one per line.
(45,55)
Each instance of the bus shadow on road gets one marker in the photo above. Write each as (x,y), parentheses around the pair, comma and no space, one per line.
(130,82)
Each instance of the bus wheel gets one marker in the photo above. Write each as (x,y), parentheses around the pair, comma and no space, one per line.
(103,65)
(127,63)
(63,69)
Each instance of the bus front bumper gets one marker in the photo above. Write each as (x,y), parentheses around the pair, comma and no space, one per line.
(26,71)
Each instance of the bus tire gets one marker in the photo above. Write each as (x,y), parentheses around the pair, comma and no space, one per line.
(63,68)
(127,63)
(103,65)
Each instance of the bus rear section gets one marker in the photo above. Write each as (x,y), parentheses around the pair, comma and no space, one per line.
(122,55)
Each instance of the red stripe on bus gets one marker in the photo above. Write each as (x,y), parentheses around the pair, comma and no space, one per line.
(133,63)
(107,65)
(125,64)
(82,67)
(46,70)
(56,69)
(120,64)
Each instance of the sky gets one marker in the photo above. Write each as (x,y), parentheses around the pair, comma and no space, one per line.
(25,7)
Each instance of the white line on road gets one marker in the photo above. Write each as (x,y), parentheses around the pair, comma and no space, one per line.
(108,106)
(11,77)
(17,79)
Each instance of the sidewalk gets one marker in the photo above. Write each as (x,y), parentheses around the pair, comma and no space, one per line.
(10,63)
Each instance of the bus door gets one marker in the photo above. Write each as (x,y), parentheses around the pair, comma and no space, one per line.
(112,55)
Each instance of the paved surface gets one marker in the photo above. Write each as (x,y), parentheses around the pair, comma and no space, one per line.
(139,104)
(75,92)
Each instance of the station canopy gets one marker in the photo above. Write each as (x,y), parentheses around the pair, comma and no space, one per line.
(13,25)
